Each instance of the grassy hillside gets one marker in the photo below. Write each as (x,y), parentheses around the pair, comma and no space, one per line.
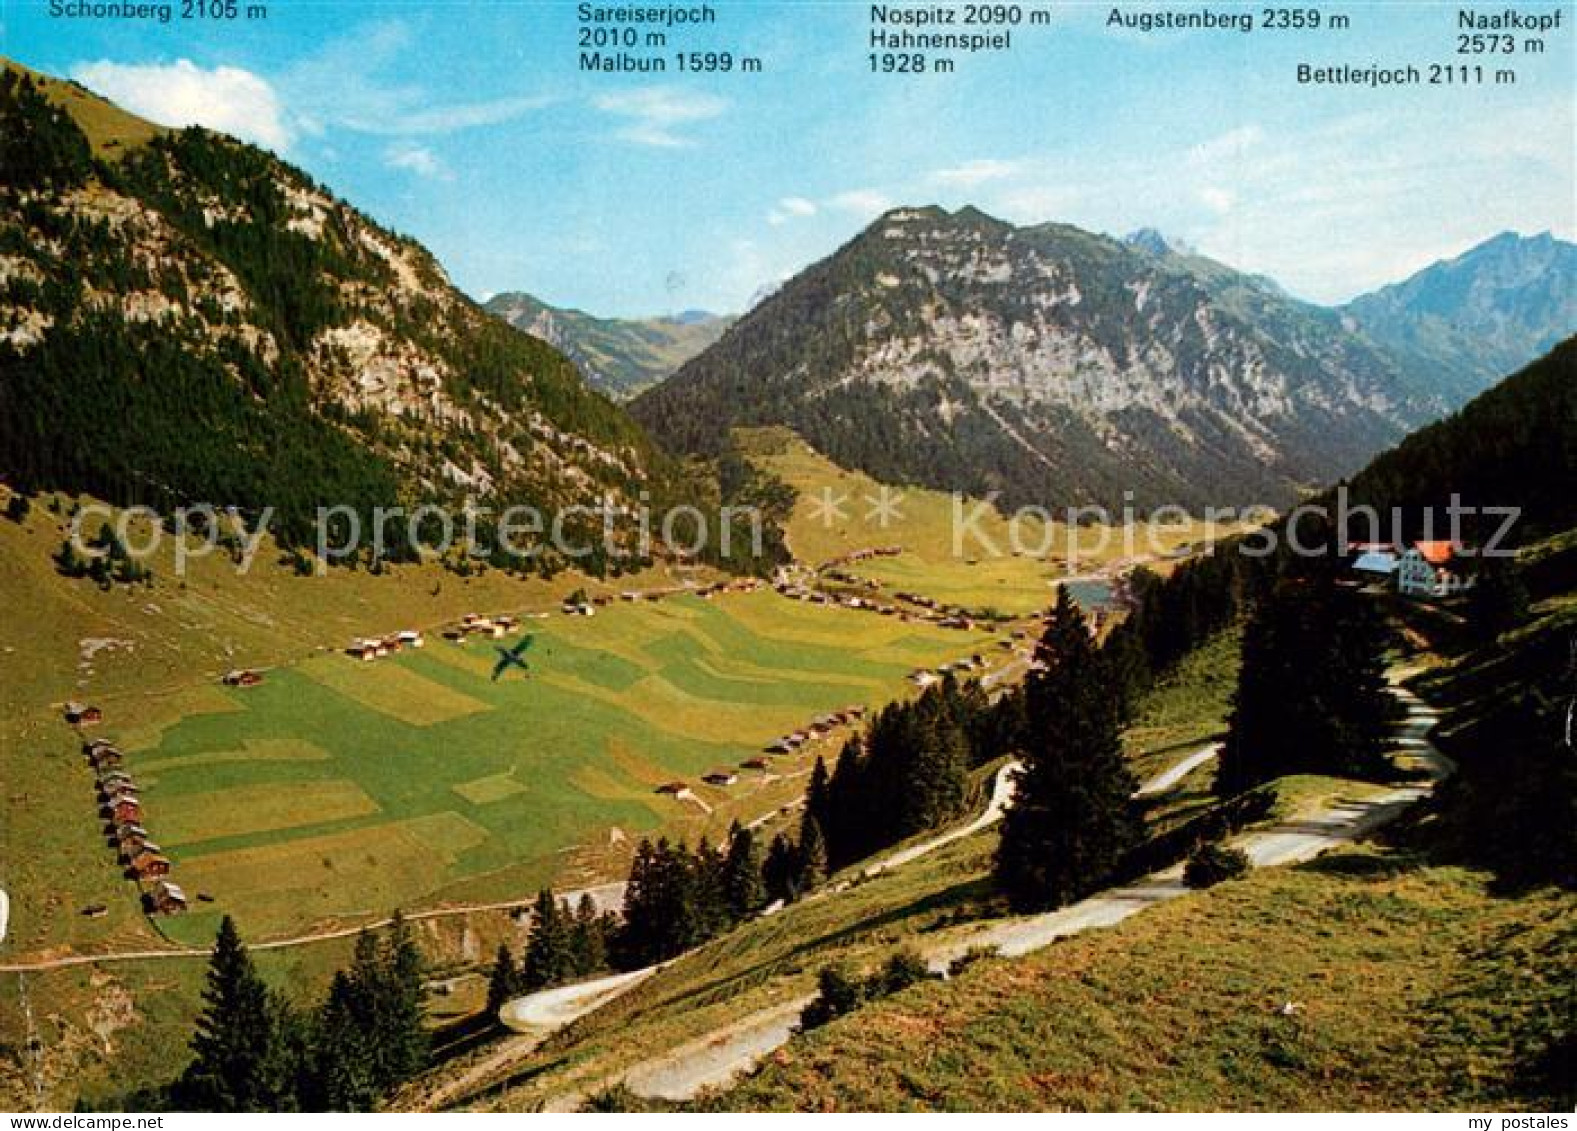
(1399,973)
(413,756)
(111,131)
(1415,989)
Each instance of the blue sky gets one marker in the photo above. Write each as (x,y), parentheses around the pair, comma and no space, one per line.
(469,126)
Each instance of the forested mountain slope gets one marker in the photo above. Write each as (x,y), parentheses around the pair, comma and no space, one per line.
(185,318)
(1050,364)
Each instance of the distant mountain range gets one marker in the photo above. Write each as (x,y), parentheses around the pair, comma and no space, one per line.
(1059,367)
(618,356)
(1471,320)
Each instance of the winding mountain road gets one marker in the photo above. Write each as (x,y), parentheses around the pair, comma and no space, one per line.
(718,1057)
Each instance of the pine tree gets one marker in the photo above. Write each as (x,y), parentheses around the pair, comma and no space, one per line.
(708,895)
(1498,602)
(504,982)
(407,1028)
(780,872)
(1073,816)
(1311,694)
(635,938)
(588,938)
(241,1047)
(818,797)
(386,974)
(342,1072)
(549,959)
(743,885)
(843,825)
(811,858)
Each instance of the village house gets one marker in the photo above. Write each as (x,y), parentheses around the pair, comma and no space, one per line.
(118,791)
(142,846)
(781,746)
(126,810)
(720,777)
(242,678)
(105,758)
(148,864)
(410,638)
(674,788)
(754,764)
(166,898)
(1426,569)
(81,714)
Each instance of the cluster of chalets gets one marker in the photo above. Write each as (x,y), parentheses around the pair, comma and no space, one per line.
(723,777)
(120,805)
(369,648)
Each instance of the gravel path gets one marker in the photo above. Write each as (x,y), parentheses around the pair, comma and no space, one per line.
(721,1056)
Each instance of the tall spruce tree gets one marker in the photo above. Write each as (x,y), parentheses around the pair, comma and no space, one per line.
(341,1073)
(780,871)
(1073,816)
(241,1049)
(708,895)
(549,958)
(588,937)
(819,802)
(811,858)
(743,885)
(504,982)
(405,1029)
(1311,694)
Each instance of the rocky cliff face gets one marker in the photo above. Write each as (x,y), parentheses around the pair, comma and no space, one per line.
(1050,364)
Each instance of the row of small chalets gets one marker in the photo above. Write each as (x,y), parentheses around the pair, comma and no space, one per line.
(120,806)
(500,625)
(819,727)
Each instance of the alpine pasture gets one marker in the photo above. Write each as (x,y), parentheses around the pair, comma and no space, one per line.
(339,789)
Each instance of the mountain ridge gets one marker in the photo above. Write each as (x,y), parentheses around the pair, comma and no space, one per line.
(261,342)
(617,356)
(1056,366)
(1048,364)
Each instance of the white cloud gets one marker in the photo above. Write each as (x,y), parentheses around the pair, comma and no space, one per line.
(973,174)
(346,83)
(446,119)
(416,159)
(1232,145)
(229,99)
(865,203)
(654,112)
(1219,200)
(791,208)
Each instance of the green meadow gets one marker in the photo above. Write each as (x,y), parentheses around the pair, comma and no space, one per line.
(959,552)
(339,788)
